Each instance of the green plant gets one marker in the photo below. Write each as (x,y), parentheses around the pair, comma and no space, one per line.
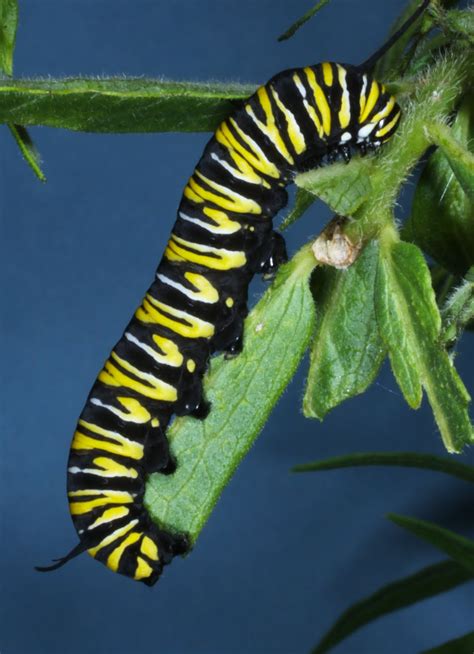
(388,302)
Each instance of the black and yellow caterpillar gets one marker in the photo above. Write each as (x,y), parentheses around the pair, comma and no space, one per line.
(197,303)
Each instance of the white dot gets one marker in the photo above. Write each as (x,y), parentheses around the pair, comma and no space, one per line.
(365,131)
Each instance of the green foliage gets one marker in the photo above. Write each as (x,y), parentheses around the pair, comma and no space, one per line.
(458,312)
(457,547)
(426,583)
(343,188)
(119,105)
(442,217)
(347,350)
(303,201)
(28,149)
(400,459)
(410,325)
(8,25)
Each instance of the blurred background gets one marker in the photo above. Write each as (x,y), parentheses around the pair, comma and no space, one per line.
(282,554)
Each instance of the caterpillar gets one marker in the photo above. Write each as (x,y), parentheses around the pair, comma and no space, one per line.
(197,303)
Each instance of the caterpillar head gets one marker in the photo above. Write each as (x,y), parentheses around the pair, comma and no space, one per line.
(379,114)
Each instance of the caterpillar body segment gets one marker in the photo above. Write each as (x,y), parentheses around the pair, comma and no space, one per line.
(197,302)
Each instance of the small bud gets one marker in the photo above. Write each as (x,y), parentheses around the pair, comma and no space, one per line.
(333,247)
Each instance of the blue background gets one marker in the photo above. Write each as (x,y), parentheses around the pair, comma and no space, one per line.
(282,554)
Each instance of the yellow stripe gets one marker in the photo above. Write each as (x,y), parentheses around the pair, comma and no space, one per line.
(191,195)
(293,129)
(143,570)
(321,100)
(149,548)
(245,168)
(233,201)
(106,468)
(388,126)
(111,468)
(327,74)
(123,446)
(172,356)
(315,118)
(370,102)
(195,327)
(136,412)
(250,176)
(171,352)
(385,111)
(345,110)
(269,128)
(86,506)
(113,560)
(109,515)
(256,157)
(205,290)
(113,536)
(222,259)
(224,224)
(157,390)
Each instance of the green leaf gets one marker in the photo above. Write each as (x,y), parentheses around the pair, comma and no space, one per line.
(28,149)
(118,104)
(425,54)
(347,350)
(342,187)
(442,218)
(391,63)
(8,24)
(243,392)
(428,582)
(304,19)
(462,645)
(409,323)
(458,311)
(457,547)
(303,201)
(460,23)
(459,157)
(401,459)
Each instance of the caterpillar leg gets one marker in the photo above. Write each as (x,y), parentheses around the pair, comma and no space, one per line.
(191,399)
(276,257)
(157,453)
